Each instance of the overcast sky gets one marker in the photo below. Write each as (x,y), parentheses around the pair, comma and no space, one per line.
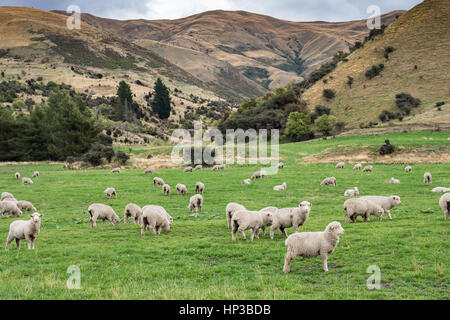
(294,10)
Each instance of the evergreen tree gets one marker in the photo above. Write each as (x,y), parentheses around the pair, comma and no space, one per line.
(124,92)
(161,103)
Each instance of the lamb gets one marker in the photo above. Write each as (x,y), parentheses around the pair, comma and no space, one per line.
(188,169)
(427,178)
(280,165)
(103,212)
(198,167)
(444,203)
(408,169)
(6,195)
(259,175)
(441,189)
(17,175)
(311,244)
(351,192)
(27,181)
(10,208)
(199,187)
(340,165)
(110,192)
(387,203)
(115,170)
(244,220)
(328,181)
(24,229)
(154,219)
(231,208)
(160,209)
(280,187)
(26,206)
(290,217)
(394,181)
(196,202)
(267,220)
(246,181)
(149,170)
(181,189)
(134,212)
(357,166)
(158,181)
(360,207)
(368,168)
(166,189)
(35,174)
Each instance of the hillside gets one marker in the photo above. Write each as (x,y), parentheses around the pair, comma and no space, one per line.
(418,65)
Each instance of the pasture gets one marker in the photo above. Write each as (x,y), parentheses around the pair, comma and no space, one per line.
(197,259)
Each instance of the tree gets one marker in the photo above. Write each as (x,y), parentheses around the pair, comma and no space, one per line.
(161,103)
(124,93)
(298,126)
(325,124)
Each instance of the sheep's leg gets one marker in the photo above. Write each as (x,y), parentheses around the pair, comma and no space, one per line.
(296,226)
(32,242)
(252,234)
(143,227)
(241,231)
(158,229)
(388,212)
(9,240)
(264,230)
(287,262)
(18,244)
(28,239)
(125,219)
(324,261)
(229,220)
(283,231)
(347,219)
(272,231)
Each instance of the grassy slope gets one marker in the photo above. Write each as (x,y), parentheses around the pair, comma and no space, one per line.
(197,260)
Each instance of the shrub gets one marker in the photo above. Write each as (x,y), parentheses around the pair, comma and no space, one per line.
(387,148)
(349,81)
(329,93)
(298,127)
(374,71)
(388,50)
(325,124)
(405,102)
(386,115)
(122,157)
(93,158)
(441,103)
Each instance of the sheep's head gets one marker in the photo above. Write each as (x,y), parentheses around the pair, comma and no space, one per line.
(115,220)
(267,217)
(335,227)
(305,204)
(36,217)
(395,200)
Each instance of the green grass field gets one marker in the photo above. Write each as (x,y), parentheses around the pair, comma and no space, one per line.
(197,259)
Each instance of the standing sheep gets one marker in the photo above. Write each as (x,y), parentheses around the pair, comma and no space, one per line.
(427,178)
(267,222)
(166,189)
(280,187)
(199,187)
(231,208)
(394,181)
(444,203)
(246,181)
(357,166)
(387,203)
(360,207)
(35,174)
(149,170)
(110,192)
(10,208)
(340,165)
(259,175)
(290,217)
(188,169)
(154,220)
(24,229)
(196,202)
(247,220)
(351,192)
(17,175)
(198,167)
(160,209)
(280,165)
(408,169)
(26,181)
(134,212)
(26,205)
(158,181)
(103,212)
(115,170)
(7,195)
(328,181)
(311,244)
(368,168)
(181,189)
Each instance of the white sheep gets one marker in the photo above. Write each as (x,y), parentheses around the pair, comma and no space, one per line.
(198,167)
(160,209)
(440,189)
(357,166)
(394,181)
(149,170)
(166,189)
(26,206)
(272,210)
(444,203)
(280,187)
(351,192)
(6,195)
(199,187)
(247,220)
(259,175)
(27,181)
(368,169)
(9,207)
(290,217)
(196,202)
(103,212)
(24,229)
(134,212)
(408,169)
(387,203)
(17,175)
(35,174)
(219,167)
(181,189)
(246,181)
(361,207)
(340,165)
(328,181)
(188,169)
(110,192)
(280,165)
(230,209)
(154,220)
(115,170)
(311,244)
(427,178)
(158,181)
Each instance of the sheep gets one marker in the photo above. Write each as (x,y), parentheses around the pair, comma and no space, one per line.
(35,174)
(199,187)
(360,207)
(154,219)
(181,189)
(103,212)
(394,181)
(351,192)
(26,206)
(311,244)
(267,220)
(244,220)
(444,203)
(259,175)
(357,166)
(24,229)
(17,175)
(115,170)
(110,192)
(328,181)
(290,217)
(368,168)
(427,178)
(160,209)
(149,170)
(280,187)
(340,165)
(246,181)
(26,181)
(10,208)
(440,189)
(166,189)
(408,169)
(188,169)
(387,203)
(231,208)
(134,212)
(219,167)
(196,202)
(6,195)
(280,165)
(158,181)
(198,167)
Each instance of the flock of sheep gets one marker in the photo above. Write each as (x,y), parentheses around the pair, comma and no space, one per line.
(156,218)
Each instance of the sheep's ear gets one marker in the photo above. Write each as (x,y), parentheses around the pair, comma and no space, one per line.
(41,215)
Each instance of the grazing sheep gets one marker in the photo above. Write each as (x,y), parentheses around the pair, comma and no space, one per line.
(231,208)
(196,202)
(35,174)
(166,189)
(311,244)
(158,181)
(441,189)
(340,165)
(247,220)
(387,203)
(357,166)
(394,181)
(444,203)
(17,175)
(351,192)
(14,200)
(103,212)
(27,181)
(427,178)
(134,212)
(280,165)
(199,187)
(360,207)
(160,209)
(408,169)
(149,170)
(219,167)
(328,181)
(368,168)
(10,208)
(280,187)
(266,219)
(290,217)
(154,220)
(24,229)
(26,206)
(181,189)
(246,181)
(6,195)
(115,170)
(198,167)
(259,175)
(188,169)
(110,192)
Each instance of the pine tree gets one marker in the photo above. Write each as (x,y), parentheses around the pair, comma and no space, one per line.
(124,93)
(161,103)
